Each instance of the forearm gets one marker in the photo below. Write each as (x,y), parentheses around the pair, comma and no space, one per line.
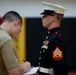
(16,71)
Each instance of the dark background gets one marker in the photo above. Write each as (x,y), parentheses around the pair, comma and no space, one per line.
(35,34)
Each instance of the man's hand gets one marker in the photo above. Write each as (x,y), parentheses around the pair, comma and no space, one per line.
(26,66)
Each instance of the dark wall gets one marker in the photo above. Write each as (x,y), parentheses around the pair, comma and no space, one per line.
(35,34)
(68,27)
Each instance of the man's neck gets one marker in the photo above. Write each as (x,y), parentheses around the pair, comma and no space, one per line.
(54,25)
(4,27)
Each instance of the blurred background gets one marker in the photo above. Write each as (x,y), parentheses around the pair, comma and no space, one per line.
(29,41)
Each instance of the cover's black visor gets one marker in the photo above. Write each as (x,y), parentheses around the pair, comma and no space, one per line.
(47,12)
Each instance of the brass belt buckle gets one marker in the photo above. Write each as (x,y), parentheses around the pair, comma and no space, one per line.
(39,68)
(51,71)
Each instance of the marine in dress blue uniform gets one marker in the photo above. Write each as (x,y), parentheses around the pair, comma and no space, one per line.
(52,59)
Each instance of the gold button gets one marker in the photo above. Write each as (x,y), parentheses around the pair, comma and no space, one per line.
(56,33)
(43,50)
(48,32)
(40,52)
(39,63)
(39,58)
(46,37)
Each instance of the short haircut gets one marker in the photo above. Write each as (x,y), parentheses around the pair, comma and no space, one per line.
(60,17)
(11,16)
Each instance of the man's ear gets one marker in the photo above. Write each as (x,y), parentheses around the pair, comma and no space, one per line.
(54,17)
(17,22)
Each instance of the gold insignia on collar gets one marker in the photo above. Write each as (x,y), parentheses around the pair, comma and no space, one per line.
(57,54)
(48,32)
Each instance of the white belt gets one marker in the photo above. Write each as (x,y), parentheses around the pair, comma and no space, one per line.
(48,71)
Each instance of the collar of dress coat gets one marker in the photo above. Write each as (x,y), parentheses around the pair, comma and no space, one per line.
(54,30)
